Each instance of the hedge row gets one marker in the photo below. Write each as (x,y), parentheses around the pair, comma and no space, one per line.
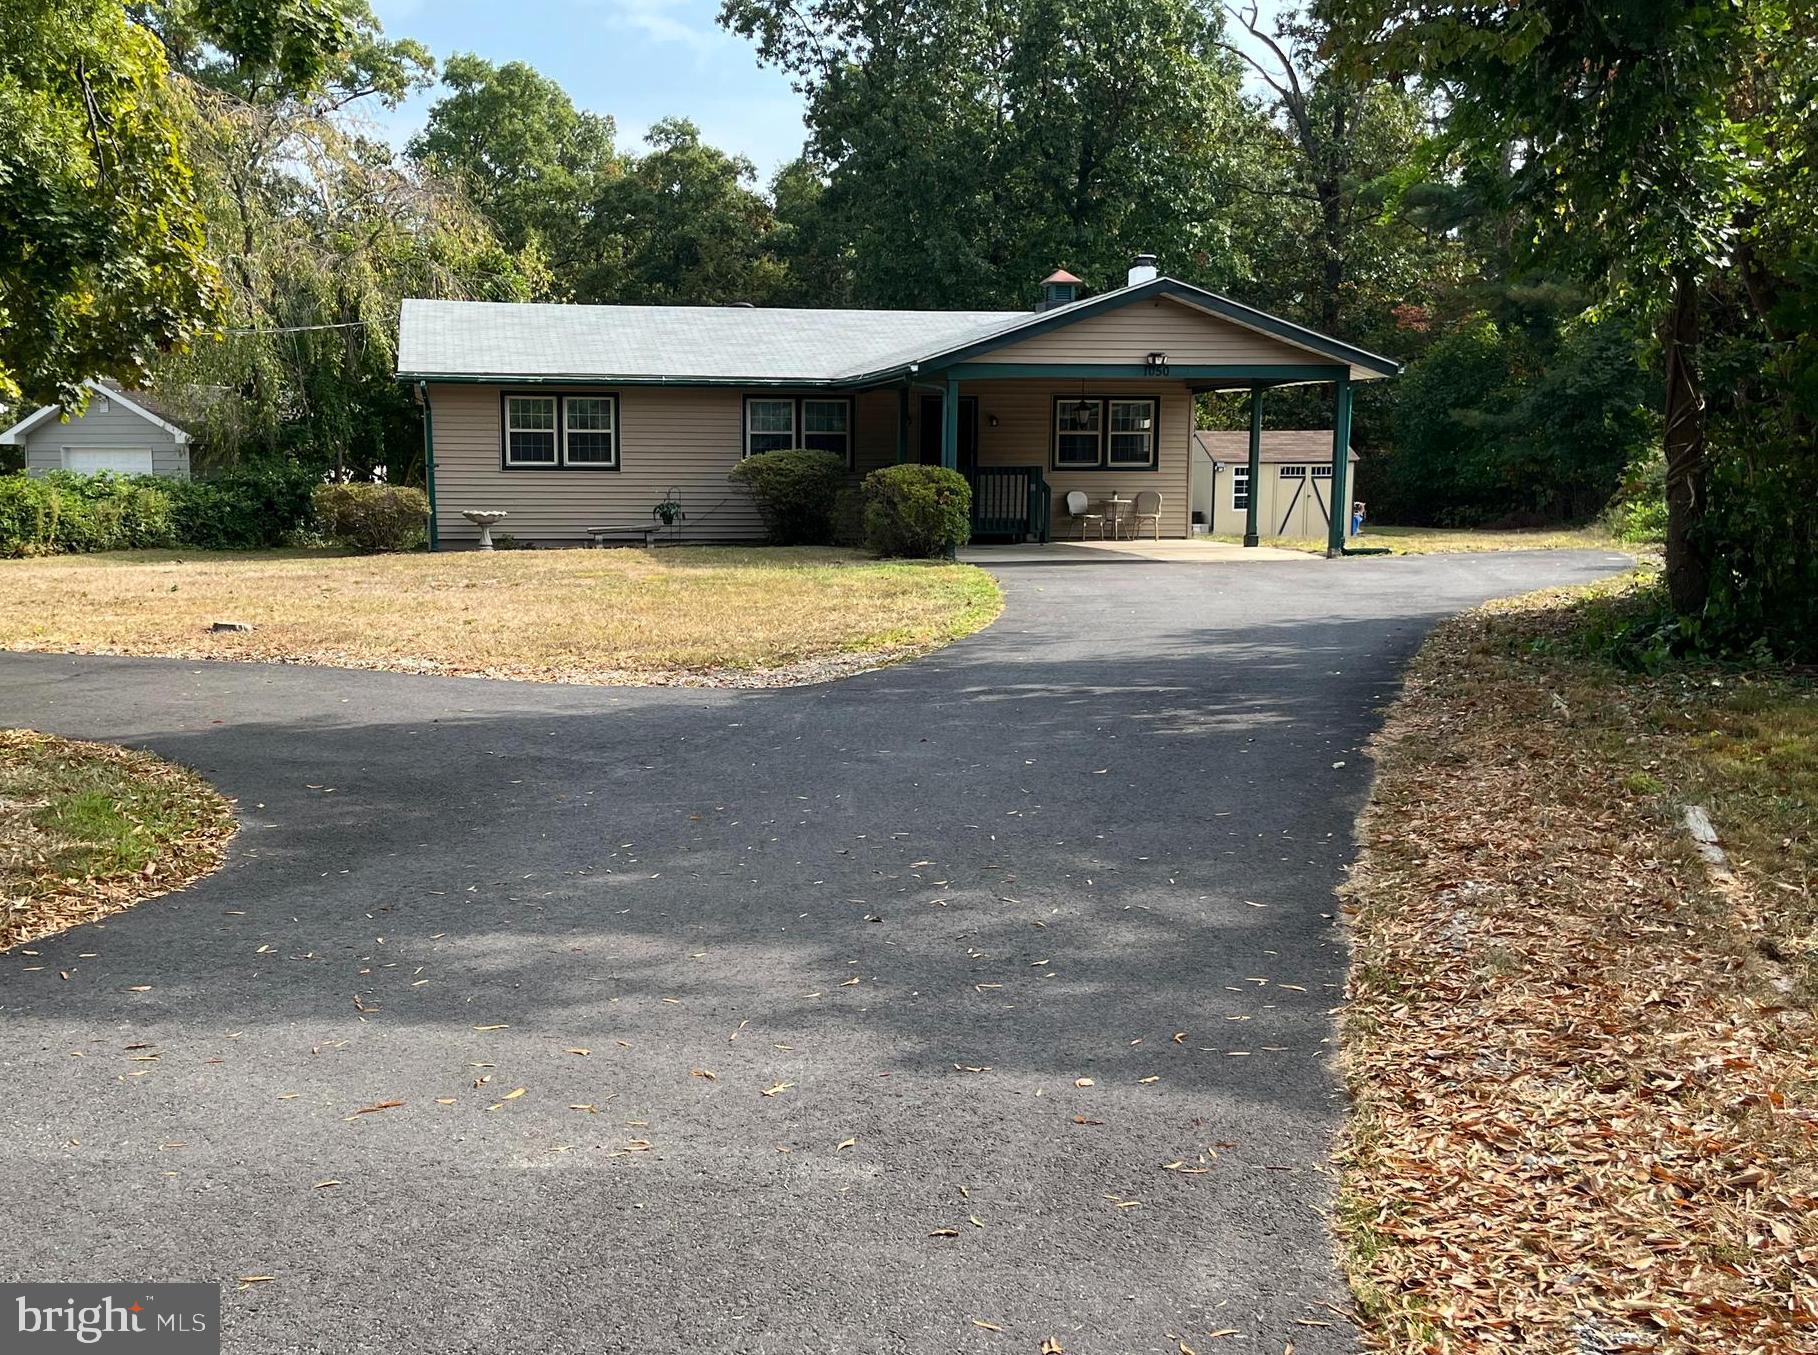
(251,508)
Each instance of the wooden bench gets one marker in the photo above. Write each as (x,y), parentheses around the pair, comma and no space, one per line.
(600,536)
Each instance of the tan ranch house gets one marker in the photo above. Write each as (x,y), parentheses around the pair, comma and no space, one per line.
(576,421)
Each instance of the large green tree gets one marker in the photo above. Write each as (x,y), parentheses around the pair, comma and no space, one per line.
(102,264)
(532,162)
(683,224)
(970,147)
(1646,142)
(321,232)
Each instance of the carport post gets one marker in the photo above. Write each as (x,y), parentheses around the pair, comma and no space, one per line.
(1251,536)
(950,425)
(902,423)
(1339,526)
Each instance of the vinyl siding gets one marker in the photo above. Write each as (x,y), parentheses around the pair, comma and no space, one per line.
(685,438)
(690,438)
(1126,335)
(117,427)
(1024,410)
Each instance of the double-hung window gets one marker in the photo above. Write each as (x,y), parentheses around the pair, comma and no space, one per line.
(590,430)
(774,423)
(769,425)
(1240,488)
(1132,433)
(530,430)
(1079,433)
(555,432)
(1106,432)
(827,427)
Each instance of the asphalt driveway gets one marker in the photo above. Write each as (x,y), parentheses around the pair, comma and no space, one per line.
(953,1007)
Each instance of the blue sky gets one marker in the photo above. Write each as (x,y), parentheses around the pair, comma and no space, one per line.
(636,60)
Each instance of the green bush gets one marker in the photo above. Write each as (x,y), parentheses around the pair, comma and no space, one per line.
(62,512)
(920,511)
(252,507)
(796,492)
(369,517)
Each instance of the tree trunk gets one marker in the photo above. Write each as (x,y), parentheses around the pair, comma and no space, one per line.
(1688,574)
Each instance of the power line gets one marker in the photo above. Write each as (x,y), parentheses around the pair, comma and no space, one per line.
(305,329)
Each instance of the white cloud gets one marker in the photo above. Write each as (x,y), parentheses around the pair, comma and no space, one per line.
(687,23)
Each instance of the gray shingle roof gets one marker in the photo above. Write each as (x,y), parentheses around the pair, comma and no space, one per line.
(680,343)
(744,345)
(1278,445)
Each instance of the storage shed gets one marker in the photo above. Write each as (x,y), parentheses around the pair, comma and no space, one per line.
(1295,493)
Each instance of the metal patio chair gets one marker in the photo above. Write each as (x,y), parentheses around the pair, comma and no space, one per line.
(1146,509)
(1077,508)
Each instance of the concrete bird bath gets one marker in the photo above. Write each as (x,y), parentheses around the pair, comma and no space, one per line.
(484,520)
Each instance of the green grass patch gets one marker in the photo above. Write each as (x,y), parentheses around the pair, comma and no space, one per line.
(87,829)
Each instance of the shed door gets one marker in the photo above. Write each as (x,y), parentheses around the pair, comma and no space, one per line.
(1303,500)
(120,460)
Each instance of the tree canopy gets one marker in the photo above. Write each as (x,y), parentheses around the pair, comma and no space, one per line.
(102,261)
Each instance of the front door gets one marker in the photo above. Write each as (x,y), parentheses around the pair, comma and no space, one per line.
(968,432)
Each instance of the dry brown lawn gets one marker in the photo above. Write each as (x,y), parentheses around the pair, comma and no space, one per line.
(1584,1064)
(1458,540)
(87,829)
(702,614)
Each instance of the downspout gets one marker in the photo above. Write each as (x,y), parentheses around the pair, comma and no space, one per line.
(429,458)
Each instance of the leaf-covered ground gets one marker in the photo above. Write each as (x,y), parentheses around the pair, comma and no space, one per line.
(1584,1063)
(87,829)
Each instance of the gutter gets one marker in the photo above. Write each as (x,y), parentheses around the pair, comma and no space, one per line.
(429,458)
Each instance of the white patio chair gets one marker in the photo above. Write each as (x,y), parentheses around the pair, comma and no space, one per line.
(1077,506)
(1147,508)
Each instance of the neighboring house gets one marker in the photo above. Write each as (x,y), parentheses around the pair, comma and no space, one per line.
(1293,491)
(570,418)
(128,434)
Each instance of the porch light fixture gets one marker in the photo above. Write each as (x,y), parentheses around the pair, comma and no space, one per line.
(1155,364)
(991,419)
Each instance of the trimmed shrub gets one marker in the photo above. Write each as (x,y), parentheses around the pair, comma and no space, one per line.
(920,511)
(796,492)
(369,517)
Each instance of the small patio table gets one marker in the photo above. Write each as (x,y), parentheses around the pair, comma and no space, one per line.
(1115,507)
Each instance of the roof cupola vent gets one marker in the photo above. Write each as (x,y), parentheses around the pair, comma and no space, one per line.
(1059,288)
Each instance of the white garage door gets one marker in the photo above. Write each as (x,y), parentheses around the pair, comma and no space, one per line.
(120,460)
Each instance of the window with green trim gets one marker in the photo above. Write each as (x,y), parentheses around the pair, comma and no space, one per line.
(1106,432)
(1079,432)
(1132,441)
(769,425)
(827,426)
(530,430)
(590,430)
